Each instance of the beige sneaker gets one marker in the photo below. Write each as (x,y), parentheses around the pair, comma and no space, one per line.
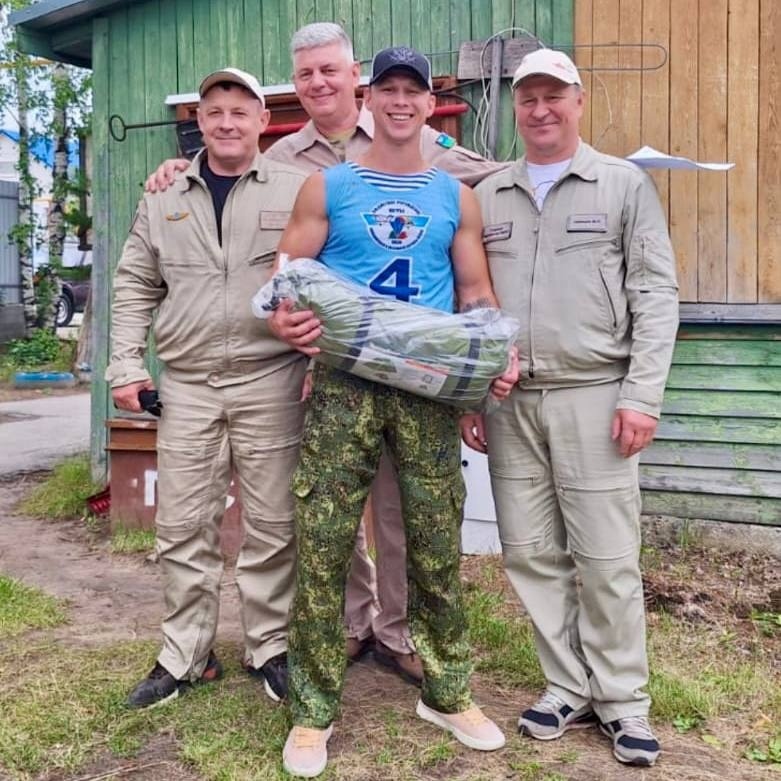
(305,754)
(470,727)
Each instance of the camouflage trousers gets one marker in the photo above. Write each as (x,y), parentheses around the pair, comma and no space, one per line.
(347,421)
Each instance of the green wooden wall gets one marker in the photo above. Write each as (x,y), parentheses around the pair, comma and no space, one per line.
(717,453)
(149,49)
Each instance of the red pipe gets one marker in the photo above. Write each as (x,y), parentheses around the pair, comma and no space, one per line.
(449,110)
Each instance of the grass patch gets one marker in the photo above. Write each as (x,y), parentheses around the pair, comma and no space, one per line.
(62,495)
(125,540)
(76,708)
(692,679)
(505,642)
(23,607)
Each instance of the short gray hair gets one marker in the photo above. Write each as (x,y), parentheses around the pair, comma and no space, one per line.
(321,34)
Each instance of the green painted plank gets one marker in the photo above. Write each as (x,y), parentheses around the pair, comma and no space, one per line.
(362,36)
(401,24)
(525,15)
(207,39)
(544,21)
(724,352)
(563,12)
(324,10)
(185,48)
(743,404)
(441,64)
(101,206)
(236,51)
(712,454)
(255,39)
(163,142)
(736,509)
(306,12)
(343,15)
(138,17)
(421,25)
(759,378)
(504,19)
(279,24)
(460,28)
(691,428)
(218,13)
(154,107)
(720,331)
(711,480)
(381,25)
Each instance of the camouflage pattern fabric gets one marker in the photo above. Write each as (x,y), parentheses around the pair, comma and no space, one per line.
(348,418)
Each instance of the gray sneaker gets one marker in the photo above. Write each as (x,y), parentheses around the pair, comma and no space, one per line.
(550,717)
(633,741)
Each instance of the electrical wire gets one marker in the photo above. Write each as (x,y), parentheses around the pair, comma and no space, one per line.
(485,105)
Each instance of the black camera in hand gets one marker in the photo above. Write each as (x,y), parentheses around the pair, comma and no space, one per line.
(150,402)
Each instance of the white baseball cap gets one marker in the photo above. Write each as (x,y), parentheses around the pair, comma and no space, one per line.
(234,76)
(549,62)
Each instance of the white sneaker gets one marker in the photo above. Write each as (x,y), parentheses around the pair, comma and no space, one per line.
(305,754)
(470,727)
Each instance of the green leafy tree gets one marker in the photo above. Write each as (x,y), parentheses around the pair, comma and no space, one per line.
(56,97)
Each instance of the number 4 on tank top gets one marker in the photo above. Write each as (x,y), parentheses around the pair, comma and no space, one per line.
(396,280)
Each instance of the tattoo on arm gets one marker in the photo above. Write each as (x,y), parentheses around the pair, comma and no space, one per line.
(478,303)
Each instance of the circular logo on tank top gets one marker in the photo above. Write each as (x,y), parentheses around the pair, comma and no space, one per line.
(396,225)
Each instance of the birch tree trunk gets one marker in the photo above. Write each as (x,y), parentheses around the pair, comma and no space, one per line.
(24,230)
(55,225)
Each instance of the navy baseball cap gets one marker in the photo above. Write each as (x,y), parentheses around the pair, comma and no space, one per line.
(404,59)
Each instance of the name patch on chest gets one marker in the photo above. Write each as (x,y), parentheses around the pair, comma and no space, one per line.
(274,221)
(587,223)
(497,232)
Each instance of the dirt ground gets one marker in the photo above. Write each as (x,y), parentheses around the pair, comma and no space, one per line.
(114,598)
(9,393)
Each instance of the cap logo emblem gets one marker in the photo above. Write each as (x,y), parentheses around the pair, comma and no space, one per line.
(402,54)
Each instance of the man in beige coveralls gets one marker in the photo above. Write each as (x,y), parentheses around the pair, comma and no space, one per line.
(230,390)
(579,252)
(325,76)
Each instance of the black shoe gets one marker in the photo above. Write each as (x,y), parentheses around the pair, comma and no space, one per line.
(274,676)
(160,686)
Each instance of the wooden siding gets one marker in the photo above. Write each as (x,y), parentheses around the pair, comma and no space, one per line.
(716,98)
(149,49)
(717,454)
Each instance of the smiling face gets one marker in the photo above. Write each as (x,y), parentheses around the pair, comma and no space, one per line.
(231,119)
(400,105)
(325,79)
(547,113)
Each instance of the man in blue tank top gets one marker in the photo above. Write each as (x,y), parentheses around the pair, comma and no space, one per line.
(413,233)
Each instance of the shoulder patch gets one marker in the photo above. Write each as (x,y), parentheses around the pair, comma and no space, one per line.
(445,141)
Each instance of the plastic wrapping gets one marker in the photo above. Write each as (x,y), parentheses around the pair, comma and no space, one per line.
(451,358)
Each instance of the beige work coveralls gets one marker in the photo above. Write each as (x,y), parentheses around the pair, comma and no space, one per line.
(591,277)
(230,392)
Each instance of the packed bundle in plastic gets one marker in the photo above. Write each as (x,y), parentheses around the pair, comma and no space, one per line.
(451,358)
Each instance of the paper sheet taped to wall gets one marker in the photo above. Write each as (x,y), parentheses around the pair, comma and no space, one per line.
(648,157)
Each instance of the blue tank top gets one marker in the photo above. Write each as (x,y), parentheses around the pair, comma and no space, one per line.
(396,243)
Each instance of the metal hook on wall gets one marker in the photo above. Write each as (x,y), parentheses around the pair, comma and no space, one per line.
(120,133)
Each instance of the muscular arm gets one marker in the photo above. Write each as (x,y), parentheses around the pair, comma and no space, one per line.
(470,265)
(473,280)
(304,237)
(307,229)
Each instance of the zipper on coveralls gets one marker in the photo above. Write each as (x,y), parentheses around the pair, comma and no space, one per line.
(531,292)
